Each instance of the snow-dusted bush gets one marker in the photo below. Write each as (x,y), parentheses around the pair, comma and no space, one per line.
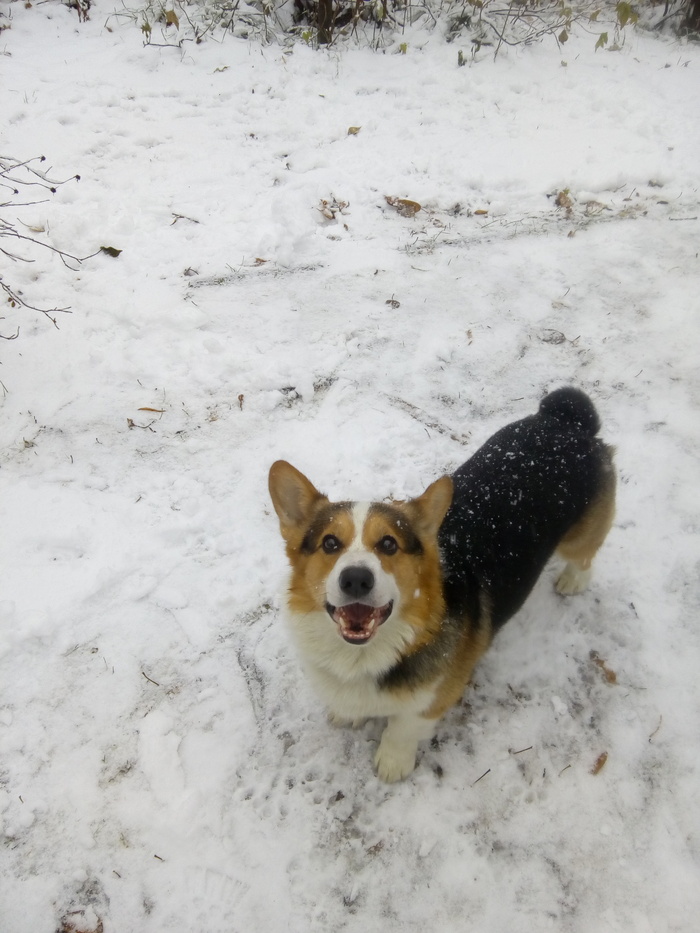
(372,22)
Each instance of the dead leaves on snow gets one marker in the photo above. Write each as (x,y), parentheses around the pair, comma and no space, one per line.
(131,424)
(564,202)
(403,206)
(213,415)
(408,208)
(589,208)
(331,208)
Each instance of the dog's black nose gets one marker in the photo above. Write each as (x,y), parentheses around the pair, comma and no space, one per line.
(356,581)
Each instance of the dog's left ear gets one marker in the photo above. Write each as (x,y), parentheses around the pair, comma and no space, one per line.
(430,509)
(293,496)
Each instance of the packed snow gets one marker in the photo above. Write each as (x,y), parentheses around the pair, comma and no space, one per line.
(164,764)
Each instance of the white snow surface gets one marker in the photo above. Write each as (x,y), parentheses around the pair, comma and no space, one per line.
(164,765)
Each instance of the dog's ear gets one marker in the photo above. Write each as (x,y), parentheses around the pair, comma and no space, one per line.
(430,508)
(293,496)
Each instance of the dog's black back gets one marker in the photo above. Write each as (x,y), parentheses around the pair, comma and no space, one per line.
(513,502)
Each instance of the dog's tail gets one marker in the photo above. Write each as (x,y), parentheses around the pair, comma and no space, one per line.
(572,406)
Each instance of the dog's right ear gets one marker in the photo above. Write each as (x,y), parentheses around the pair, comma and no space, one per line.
(293,496)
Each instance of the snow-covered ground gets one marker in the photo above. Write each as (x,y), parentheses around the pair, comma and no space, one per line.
(164,765)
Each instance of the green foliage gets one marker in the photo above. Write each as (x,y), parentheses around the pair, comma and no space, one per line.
(625,14)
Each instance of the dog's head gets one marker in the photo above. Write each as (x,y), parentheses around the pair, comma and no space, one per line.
(362,568)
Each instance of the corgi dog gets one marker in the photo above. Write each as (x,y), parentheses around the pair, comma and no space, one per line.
(392,603)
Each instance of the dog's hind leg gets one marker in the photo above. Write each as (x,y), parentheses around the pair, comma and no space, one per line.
(580,544)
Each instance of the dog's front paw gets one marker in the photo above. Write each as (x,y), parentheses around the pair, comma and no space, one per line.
(394,762)
(572,580)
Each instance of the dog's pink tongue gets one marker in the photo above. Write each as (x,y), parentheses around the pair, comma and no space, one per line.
(356,614)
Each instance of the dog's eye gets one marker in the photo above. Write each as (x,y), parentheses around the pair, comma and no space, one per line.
(331,544)
(388,545)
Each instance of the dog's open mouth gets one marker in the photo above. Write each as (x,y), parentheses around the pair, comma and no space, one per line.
(357,622)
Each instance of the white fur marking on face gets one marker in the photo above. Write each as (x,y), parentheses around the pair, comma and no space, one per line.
(360,511)
(357,555)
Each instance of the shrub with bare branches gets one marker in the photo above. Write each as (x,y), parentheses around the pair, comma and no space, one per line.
(483,23)
(24,183)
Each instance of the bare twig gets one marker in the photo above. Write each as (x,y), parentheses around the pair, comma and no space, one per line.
(7,230)
(661,719)
(15,301)
(502,33)
(17,175)
(8,164)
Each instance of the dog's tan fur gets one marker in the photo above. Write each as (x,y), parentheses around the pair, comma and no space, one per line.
(582,542)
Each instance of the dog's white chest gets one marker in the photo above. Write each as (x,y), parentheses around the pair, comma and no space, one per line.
(363,698)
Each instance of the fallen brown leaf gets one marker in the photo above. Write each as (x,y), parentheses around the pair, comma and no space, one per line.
(608,673)
(403,206)
(599,763)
